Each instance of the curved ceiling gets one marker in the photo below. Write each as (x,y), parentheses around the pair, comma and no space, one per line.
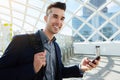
(27,16)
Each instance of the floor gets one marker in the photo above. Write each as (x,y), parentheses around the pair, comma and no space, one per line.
(108,69)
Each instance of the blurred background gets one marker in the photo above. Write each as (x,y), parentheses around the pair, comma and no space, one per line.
(88,23)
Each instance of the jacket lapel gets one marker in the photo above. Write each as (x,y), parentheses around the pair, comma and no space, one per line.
(58,62)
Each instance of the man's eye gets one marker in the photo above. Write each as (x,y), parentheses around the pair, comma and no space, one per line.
(62,19)
(55,16)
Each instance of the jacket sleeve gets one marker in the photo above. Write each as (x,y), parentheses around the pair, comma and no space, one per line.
(9,62)
(17,73)
(72,71)
(66,72)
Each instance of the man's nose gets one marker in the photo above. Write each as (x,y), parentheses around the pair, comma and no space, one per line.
(59,21)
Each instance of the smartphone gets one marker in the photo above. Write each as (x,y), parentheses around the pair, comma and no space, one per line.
(97,58)
(97,54)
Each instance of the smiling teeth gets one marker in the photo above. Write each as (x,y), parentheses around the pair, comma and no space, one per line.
(56,26)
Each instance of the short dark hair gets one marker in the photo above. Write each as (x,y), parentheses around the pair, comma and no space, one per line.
(56,5)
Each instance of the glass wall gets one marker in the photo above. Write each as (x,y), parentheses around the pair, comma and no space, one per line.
(85,20)
(97,20)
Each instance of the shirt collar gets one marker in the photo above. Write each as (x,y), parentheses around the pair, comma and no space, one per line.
(44,38)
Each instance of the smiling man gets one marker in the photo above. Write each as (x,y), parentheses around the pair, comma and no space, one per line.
(21,62)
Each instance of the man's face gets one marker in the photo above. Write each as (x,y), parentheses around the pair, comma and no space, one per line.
(55,20)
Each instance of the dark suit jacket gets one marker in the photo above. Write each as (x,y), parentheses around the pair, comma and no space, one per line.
(17,62)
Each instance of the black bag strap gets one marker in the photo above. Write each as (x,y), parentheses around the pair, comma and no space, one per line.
(37,44)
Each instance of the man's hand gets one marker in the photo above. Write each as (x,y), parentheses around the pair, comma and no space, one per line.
(86,64)
(39,60)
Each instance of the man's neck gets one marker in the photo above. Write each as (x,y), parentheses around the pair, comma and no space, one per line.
(48,34)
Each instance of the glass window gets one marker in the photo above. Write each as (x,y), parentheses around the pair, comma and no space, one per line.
(108,30)
(86,31)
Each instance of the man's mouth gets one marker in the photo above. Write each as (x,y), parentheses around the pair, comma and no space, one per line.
(56,27)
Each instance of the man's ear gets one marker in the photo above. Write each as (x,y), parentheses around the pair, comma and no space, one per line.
(45,18)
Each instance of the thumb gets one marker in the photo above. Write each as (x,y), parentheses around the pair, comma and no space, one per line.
(44,52)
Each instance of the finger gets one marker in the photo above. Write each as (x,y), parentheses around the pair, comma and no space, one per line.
(44,61)
(92,65)
(43,53)
(43,57)
(44,64)
(97,62)
(89,67)
(85,60)
(88,60)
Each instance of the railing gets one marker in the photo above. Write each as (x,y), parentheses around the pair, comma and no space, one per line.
(106,48)
(66,45)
